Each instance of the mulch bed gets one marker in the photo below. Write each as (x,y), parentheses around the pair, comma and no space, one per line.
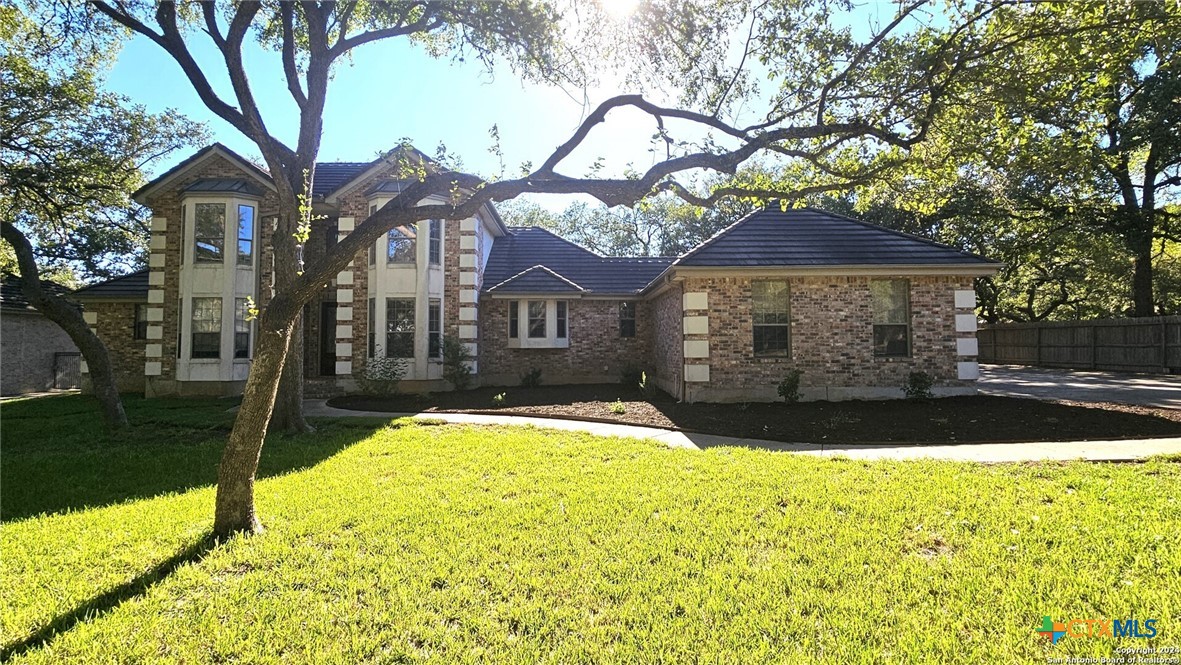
(948,420)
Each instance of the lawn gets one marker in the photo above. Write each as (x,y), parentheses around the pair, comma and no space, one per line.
(408,542)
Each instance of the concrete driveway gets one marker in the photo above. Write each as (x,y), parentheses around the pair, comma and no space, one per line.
(1157,390)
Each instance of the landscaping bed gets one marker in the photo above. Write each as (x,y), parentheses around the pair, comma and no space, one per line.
(973,419)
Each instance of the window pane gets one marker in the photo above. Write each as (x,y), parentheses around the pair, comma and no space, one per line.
(399,321)
(206,328)
(401,244)
(209,232)
(241,328)
(536,319)
(514,325)
(245,235)
(372,326)
(436,244)
(627,319)
(770,302)
(890,300)
(770,340)
(561,319)
(434,330)
(890,340)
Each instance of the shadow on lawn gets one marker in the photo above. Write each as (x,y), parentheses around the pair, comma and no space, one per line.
(105,602)
(155,459)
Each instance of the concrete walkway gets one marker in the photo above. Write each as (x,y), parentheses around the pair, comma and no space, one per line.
(1156,390)
(981,452)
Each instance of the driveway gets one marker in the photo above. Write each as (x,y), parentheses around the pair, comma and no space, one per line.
(1156,390)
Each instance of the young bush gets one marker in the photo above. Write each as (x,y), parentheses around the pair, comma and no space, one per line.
(456,369)
(617,407)
(381,375)
(532,378)
(647,388)
(789,387)
(918,385)
(498,400)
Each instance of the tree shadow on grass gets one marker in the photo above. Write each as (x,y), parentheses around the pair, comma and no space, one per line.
(157,460)
(109,600)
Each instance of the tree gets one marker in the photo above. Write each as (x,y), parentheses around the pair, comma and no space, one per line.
(838,93)
(69,156)
(1071,144)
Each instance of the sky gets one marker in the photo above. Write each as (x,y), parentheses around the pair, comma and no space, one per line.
(392,89)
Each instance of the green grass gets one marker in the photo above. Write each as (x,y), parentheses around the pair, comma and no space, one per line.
(409,542)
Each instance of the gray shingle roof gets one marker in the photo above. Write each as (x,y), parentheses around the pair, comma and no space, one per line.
(331,175)
(804,237)
(232,186)
(12,295)
(538,279)
(527,247)
(133,286)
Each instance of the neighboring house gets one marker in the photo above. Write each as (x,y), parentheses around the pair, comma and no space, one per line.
(35,353)
(856,307)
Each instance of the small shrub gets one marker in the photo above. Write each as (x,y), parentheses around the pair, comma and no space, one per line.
(456,369)
(918,385)
(789,387)
(498,400)
(631,376)
(532,378)
(381,375)
(617,407)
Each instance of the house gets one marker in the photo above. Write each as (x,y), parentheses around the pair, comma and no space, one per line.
(855,306)
(35,353)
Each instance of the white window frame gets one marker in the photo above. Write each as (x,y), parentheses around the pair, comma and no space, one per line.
(551,340)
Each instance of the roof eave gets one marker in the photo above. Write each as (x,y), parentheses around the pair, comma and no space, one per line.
(975,269)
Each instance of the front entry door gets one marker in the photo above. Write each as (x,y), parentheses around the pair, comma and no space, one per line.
(328,339)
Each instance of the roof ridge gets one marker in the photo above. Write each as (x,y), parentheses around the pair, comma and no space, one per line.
(562,238)
(717,236)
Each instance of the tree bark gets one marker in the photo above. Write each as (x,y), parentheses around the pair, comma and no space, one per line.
(234,511)
(288,414)
(69,317)
(1142,296)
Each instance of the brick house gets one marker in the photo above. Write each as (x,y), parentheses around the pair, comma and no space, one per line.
(35,353)
(855,306)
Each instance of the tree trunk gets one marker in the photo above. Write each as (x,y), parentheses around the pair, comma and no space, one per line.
(1142,299)
(288,413)
(234,511)
(69,317)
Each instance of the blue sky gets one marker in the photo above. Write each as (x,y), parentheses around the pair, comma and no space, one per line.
(393,90)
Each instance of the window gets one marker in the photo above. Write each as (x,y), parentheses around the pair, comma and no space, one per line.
(241,328)
(435,247)
(372,329)
(772,316)
(209,233)
(514,319)
(627,319)
(399,328)
(401,244)
(434,330)
(245,235)
(891,316)
(141,322)
(206,328)
(536,319)
(561,319)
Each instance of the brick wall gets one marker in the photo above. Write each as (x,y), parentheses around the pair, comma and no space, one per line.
(115,326)
(668,355)
(28,342)
(831,339)
(597,354)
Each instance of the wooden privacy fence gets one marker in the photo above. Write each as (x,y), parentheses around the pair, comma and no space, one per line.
(1150,344)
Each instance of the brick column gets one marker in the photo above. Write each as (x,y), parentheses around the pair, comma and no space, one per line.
(469,289)
(344,307)
(156,267)
(695,330)
(966,345)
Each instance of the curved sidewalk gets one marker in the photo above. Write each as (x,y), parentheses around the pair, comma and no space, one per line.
(1099,451)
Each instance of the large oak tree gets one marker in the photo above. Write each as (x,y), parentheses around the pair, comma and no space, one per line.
(834,90)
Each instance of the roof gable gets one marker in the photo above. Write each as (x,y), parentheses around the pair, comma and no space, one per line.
(196,159)
(806,237)
(538,279)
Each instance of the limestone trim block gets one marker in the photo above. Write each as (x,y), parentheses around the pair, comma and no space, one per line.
(467,332)
(344,349)
(696,348)
(344,295)
(344,332)
(345,278)
(968,370)
(155,332)
(965,299)
(159,224)
(90,317)
(344,367)
(697,373)
(967,346)
(156,278)
(345,224)
(467,242)
(344,313)
(156,296)
(152,368)
(155,314)
(154,350)
(155,260)
(696,325)
(696,300)
(965,323)
(467,260)
(468,225)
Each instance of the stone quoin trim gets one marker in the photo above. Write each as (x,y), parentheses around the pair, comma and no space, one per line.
(345,283)
(967,346)
(695,327)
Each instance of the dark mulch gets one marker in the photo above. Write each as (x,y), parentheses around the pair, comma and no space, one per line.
(947,420)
